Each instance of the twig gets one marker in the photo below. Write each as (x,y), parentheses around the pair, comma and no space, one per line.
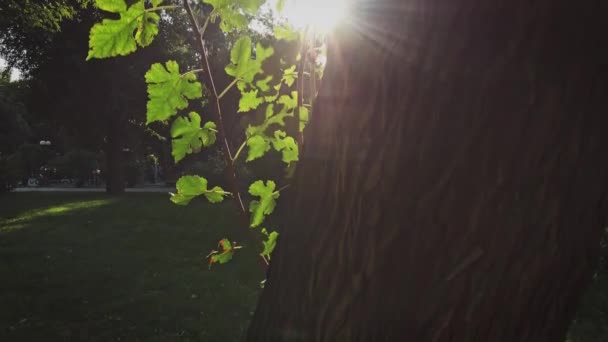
(217,111)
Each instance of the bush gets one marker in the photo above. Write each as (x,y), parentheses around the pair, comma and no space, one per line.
(10,172)
(77,164)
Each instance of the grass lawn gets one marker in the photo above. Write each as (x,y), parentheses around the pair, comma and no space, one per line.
(88,267)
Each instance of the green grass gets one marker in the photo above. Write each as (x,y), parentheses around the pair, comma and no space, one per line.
(88,267)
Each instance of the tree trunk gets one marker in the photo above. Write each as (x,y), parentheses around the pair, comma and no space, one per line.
(454,181)
(115,179)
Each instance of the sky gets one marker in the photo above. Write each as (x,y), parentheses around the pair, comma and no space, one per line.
(15,74)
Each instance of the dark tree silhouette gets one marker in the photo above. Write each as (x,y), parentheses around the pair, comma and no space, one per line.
(453,186)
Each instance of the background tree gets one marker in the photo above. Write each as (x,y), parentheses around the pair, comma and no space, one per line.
(453,185)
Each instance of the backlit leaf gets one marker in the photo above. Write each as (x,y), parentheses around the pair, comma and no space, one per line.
(147,28)
(120,37)
(266,204)
(286,145)
(286,32)
(169,91)
(249,101)
(114,6)
(189,187)
(269,244)
(189,137)
(304,118)
(290,75)
(225,254)
(258,146)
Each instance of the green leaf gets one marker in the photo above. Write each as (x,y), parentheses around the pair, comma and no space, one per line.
(304,118)
(224,255)
(290,75)
(285,32)
(287,146)
(241,65)
(269,244)
(189,137)
(263,84)
(251,6)
(266,204)
(262,53)
(114,6)
(249,101)
(231,13)
(271,119)
(241,51)
(155,3)
(120,37)
(169,91)
(215,195)
(290,102)
(189,187)
(258,146)
(147,28)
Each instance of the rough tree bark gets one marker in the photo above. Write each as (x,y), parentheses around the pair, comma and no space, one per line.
(454,180)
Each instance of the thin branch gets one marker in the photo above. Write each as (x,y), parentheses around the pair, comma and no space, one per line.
(300,86)
(238,153)
(204,29)
(195,71)
(282,188)
(228,88)
(217,110)
(160,8)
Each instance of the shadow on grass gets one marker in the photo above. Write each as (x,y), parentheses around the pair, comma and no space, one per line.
(94,268)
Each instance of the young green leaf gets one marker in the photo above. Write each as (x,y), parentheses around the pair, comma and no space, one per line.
(120,37)
(290,75)
(189,187)
(285,32)
(265,205)
(231,13)
(304,118)
(155,3)
(225,254)
(251,6)
(147,28)
(269,244)
(271,119)
(287,146)
(262,53)
(113,6)
(290,102)
(215,195)
(241,65)
(189,137)
(258,146)
(168,90)
(263,84)
(249,101)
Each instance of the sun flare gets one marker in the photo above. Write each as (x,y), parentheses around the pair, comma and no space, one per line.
(319,15)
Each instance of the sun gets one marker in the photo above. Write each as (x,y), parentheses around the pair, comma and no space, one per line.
(318,15)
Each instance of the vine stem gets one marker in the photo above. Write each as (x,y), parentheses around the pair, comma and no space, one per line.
(228,88)
(238,153)
(300,86)
(195,71)
(160,8)
(217,111)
